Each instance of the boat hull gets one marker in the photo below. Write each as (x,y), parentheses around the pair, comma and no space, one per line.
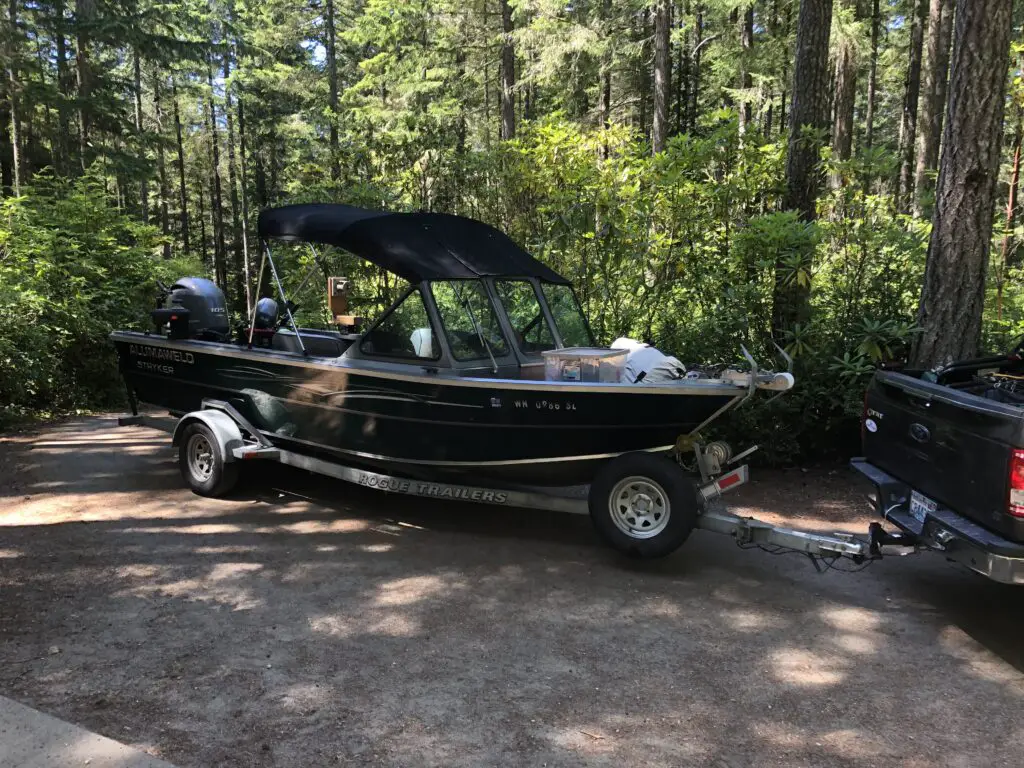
(421,425)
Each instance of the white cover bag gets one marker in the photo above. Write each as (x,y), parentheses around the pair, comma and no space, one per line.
(648,364)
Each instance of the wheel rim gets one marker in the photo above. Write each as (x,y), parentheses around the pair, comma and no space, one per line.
(639,507)
(200,457)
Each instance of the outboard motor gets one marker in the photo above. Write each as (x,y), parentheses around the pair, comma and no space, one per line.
(204,308)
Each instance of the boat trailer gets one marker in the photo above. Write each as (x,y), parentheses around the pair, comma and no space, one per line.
(239,441)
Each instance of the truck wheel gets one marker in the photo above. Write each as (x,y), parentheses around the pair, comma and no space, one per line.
(643,505)
(202,463)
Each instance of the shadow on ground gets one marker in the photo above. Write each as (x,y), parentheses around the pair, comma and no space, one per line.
(308,622)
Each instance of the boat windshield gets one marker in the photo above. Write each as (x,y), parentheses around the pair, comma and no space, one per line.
(531,329)
(403,332)
(469,319)
(569,319)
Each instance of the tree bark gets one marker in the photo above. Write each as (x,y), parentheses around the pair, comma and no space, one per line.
(14,95)
(182,189)
(161,164)
(144,183)
(869,116)
(662,73)
(908,123)
(954,284)
(940,31)
(508,74)
(746,82)
(808,117)
(216,197)
(332,83)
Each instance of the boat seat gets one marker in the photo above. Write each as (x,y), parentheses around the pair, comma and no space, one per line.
(317,343)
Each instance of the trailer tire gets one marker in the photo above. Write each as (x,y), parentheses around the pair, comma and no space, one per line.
(202,462)
(643,505)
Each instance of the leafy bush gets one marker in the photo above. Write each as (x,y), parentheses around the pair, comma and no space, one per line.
(72,268)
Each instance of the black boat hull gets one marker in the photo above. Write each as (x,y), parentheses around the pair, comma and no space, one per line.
(421,425)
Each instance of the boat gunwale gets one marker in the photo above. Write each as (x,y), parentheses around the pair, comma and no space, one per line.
(695,387)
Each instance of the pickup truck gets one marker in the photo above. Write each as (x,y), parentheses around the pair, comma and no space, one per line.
(945,452)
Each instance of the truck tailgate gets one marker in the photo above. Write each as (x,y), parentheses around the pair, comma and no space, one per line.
(953,447)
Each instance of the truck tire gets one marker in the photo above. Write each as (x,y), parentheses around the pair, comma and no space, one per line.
(202,462)
(643,505)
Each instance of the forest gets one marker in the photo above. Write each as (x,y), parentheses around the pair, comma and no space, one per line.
(839,177)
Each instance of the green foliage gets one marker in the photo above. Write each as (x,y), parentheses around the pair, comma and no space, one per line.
(72,268)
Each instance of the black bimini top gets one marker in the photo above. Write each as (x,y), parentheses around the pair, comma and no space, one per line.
(414,246)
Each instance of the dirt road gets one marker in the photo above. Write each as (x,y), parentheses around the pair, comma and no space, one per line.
(307,622)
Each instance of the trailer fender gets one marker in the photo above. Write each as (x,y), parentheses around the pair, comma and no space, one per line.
(223,427)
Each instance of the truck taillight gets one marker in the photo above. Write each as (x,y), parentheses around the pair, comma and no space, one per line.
(1015,505)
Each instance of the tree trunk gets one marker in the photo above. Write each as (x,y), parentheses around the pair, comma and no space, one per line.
(84,10)
(869,117)
(508,74)
(682,79)
(908,124)
(63,129)
(746,82)
(845,78)
(216,198)
(144,183)
(245,202)
(1009,244)
(940,30)
(808,113)
(14,95)
(236,230)
(158,113)
(662,76)
(332,84)
(200,198)
(954,282)
(698,40)
(182,189)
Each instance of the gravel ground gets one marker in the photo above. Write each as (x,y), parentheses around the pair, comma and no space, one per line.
(306,622)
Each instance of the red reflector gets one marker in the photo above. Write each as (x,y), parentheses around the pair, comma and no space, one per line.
(727,481)
(1015,504)
(174,317)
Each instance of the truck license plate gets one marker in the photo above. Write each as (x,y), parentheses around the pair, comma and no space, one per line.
(921,506)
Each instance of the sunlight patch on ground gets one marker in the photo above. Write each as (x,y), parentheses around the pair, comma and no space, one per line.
(413,590)
(213,588)
(798,666)
(9,554)
(852,619)
(749,621)
(377,548)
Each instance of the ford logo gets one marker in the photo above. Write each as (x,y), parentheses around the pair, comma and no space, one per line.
(920,432)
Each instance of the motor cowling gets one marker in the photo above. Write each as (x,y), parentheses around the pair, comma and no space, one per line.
(206,305)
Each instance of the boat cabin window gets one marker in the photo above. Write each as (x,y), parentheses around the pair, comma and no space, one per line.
(404,332)
(532,332)
(470,322)
(569,319)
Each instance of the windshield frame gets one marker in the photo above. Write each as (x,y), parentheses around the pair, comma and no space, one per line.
(591,339)
(542,306)
(491,355)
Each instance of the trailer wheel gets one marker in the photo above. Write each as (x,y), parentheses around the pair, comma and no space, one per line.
(643,505)
(202,463)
